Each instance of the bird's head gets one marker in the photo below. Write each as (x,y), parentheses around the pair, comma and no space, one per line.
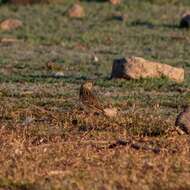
(87,85)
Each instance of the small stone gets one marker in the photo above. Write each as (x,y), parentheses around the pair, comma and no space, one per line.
(137,68)
(183,120)
(115,2)
(10,24)
(57,74)
(185,21)
(8,40)
(76,11)
(95,58)
(110,112)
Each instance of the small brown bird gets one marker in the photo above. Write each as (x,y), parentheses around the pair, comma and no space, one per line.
(183,120)
(88,98)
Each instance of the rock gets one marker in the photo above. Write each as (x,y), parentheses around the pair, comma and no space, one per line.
(136,68)
(76,11)
(10,24)
(57,74)
(185,21)
(8,40)
(115,2)
(183,120)
(110,112)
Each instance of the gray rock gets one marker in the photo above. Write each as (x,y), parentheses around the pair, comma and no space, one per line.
(137,67)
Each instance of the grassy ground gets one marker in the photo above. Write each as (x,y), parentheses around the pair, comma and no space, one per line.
(46,142)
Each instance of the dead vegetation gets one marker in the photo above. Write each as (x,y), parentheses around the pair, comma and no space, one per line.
(42,148)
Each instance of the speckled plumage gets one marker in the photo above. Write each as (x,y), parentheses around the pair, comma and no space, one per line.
(88,98)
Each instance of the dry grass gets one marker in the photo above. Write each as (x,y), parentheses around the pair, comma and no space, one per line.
(74,150)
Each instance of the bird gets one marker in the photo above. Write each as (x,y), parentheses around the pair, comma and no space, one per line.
(88,97)
(183,120)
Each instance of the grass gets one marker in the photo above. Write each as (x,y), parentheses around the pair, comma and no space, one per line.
(47,142)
